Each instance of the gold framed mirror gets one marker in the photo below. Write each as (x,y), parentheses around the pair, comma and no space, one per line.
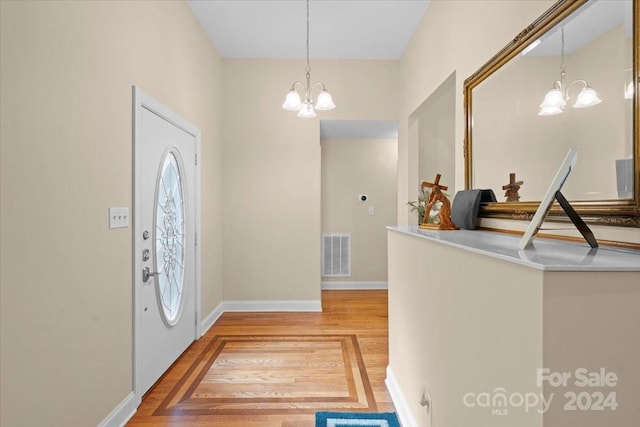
(540,95)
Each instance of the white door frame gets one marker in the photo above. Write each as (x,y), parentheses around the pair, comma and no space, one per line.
(143,100)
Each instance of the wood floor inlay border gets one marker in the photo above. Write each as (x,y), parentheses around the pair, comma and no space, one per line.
(237,374)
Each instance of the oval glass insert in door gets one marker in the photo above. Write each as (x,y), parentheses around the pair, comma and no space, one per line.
(170,238)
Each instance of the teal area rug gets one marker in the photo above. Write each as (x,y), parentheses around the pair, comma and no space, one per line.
(359,419)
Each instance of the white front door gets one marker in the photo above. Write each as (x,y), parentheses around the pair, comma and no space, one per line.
(164,252)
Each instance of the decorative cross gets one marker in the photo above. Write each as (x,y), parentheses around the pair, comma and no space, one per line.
(435,184)
(441,205)
(512,188)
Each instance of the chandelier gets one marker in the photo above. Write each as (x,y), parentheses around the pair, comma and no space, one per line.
(305,108)
(556,99)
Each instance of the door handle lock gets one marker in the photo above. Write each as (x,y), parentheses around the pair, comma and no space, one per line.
(146,274)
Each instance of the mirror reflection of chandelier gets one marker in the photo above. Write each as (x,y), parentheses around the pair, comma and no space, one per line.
(556,99)
(305,108)
(628,91)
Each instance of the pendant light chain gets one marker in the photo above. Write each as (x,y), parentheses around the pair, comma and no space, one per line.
(308,66)
(563,66)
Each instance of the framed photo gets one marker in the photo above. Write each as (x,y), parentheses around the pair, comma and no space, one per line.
(567,165)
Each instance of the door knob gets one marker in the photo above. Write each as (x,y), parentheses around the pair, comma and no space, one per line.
(146,274)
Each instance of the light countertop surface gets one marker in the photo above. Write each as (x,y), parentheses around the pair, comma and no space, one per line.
(542,254)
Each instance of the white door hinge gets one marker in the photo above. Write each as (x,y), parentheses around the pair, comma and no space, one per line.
(196,159)
(196,239)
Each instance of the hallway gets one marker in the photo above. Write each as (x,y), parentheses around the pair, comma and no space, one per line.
(278,369)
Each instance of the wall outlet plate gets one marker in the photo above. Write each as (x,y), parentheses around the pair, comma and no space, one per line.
(118,217)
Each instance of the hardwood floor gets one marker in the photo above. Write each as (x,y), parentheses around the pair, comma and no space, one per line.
(278,369)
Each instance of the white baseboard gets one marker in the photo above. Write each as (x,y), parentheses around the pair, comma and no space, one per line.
(402,408)
(263,306)
(257,306)
(207,322)
(354,285)
(121,413)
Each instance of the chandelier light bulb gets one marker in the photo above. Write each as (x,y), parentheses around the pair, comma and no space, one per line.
(550,111)
(292,101)
(587,98)
(553,99)
(306,112)
(628,93)
(325,102)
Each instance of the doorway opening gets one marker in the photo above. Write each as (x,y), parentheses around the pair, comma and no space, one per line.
(358,200)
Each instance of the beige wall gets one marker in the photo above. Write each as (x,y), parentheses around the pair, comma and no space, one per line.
(351,167)
(460,323)
(272,170)
(591,321)
(67,69)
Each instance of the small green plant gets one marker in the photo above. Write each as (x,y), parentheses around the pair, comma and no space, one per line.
(420,205)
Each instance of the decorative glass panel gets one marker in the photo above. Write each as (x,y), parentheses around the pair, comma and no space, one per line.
(170,239)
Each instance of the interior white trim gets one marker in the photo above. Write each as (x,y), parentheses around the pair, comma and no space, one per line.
(207,322)
(198,230)
(402,407)
(143,100)
(354,285)
(121,413)
(258,306)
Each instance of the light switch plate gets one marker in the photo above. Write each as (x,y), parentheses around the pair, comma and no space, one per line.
(118,217)
(372,211)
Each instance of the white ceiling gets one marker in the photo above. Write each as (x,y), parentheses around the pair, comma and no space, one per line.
(339,29)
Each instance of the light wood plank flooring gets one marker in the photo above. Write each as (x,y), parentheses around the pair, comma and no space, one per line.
(278,369)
